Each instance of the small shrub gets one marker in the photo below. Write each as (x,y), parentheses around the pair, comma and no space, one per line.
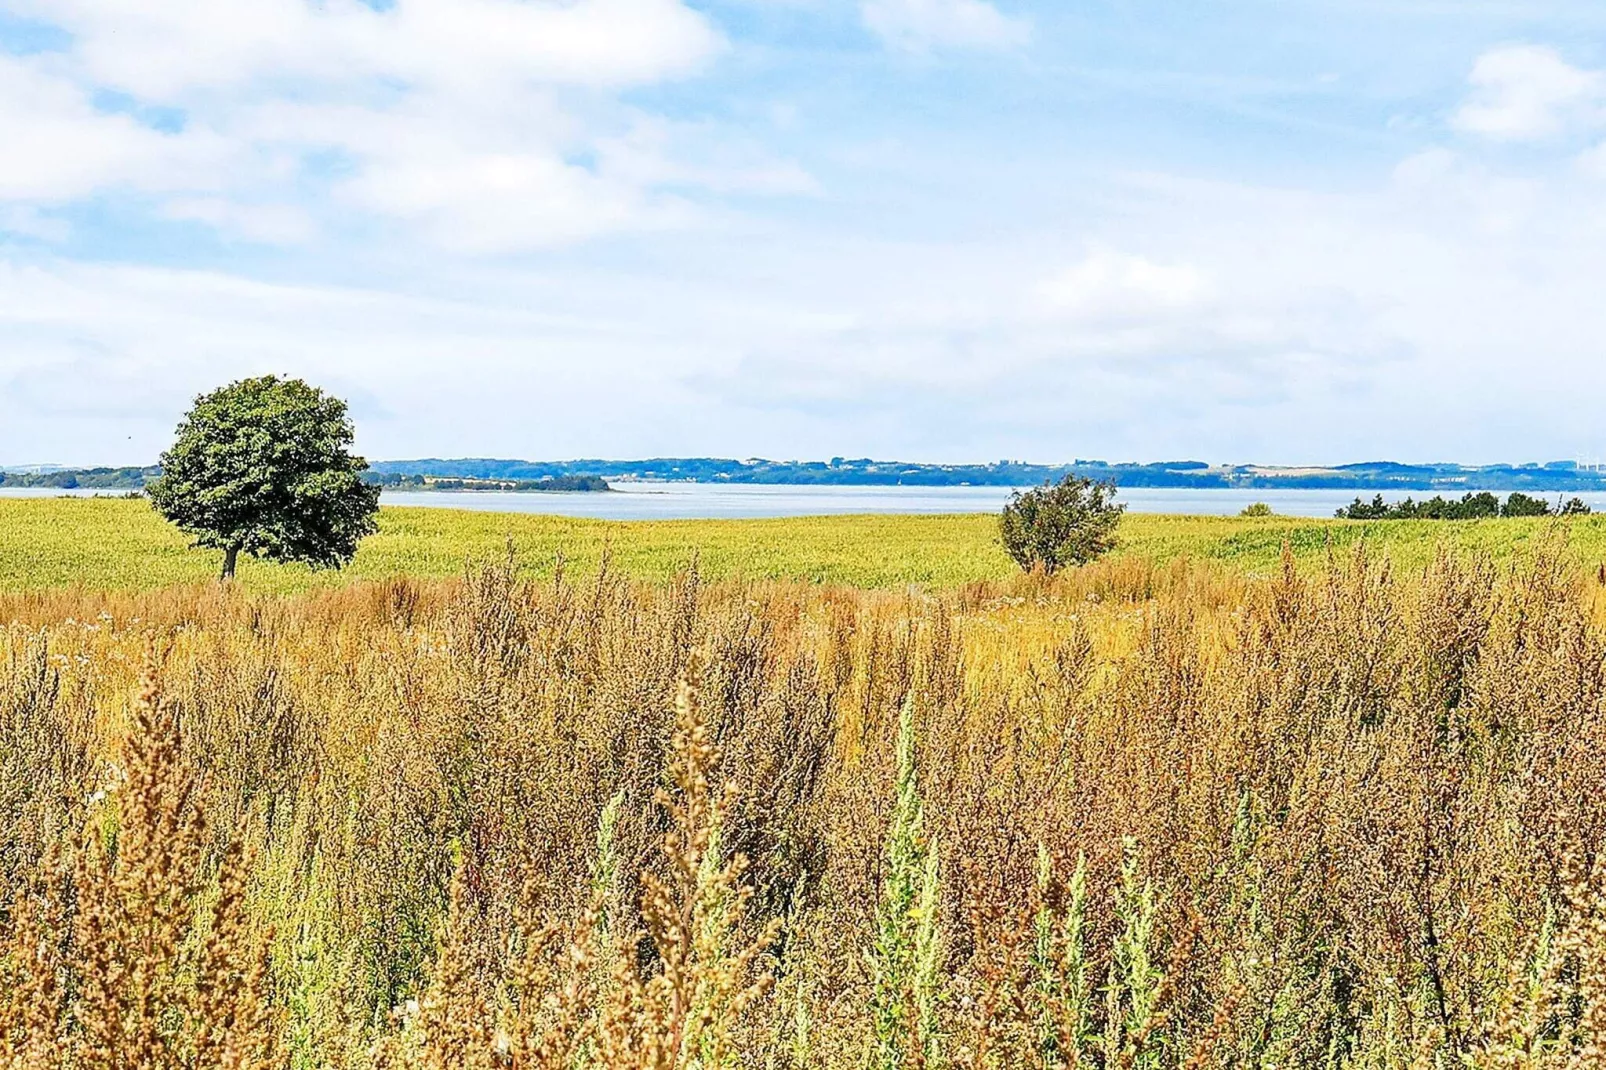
(1257,509)
(1066,523)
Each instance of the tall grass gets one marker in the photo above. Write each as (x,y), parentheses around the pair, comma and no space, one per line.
(1140,816)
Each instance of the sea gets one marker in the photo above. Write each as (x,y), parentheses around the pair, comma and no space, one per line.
(691,501)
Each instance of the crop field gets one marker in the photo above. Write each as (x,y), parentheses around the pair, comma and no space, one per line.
(117,544)
(856,795)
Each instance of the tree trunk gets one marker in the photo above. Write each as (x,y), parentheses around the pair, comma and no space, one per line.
(230,556)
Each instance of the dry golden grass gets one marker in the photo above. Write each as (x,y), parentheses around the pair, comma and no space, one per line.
(126,959)
(1144,815)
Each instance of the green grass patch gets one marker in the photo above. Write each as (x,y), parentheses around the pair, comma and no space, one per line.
(103,543)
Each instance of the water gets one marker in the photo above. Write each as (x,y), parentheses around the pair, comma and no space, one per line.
(690,501)
(57,492)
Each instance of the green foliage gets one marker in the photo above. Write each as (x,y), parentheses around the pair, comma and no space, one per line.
(1066,523)
(263,465)
(1132,993)
(1257,509)
(605,867)
(1061,984)
(1519,504)
(907,951)
(1480,506)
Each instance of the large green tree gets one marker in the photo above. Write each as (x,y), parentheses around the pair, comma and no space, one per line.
(264,465)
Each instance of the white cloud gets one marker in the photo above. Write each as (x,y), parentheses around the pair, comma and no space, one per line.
(486,125)
(1440,184)
(1593,162)
(169,49)
(272,224)
(98,351)
(1224,320)
(29,222)
(1527,92)
(59,147)
(1108,285)
(1221,321)
(921,25)
(1232,322)
(656,152)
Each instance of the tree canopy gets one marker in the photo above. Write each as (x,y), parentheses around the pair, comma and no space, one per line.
(1480,506)
(264,466)
(1066,523)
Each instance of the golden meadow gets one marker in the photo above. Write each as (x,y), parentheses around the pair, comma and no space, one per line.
(120,544)
(848,795)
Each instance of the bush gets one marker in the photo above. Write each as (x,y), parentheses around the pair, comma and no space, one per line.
(1257,509)
(1482,505)
(1519,504)
(1066,523)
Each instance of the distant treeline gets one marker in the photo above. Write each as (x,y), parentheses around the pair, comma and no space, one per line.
(135,479)
(1480,506)
(1554,477)
(82,478)
(838,471)
(419,481)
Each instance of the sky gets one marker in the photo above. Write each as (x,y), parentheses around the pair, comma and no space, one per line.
(1274,231)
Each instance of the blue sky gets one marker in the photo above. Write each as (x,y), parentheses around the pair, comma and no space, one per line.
(1290,231)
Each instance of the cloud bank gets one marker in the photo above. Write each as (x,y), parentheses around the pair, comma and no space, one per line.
(489,125)
(626,227)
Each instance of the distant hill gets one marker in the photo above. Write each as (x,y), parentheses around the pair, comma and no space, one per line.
(1558,476)
(417,481)
(53,477)
(591,474)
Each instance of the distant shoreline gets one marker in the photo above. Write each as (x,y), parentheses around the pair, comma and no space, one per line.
(644,501)
(420,484)
(475,475)
(1373,476)
(495,490)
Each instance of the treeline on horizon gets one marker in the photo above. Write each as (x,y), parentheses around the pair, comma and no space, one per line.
(1556,477)
(1479,506)
(137,478)
(418,481)
(82,478)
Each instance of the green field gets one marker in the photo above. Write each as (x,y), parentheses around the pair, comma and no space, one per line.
(104,543)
